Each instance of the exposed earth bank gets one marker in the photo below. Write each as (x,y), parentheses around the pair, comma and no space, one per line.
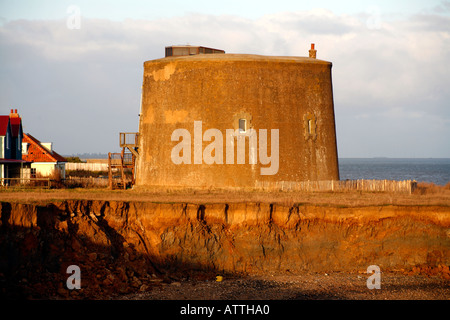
(153,250)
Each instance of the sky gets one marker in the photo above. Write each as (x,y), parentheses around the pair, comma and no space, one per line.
(74,69)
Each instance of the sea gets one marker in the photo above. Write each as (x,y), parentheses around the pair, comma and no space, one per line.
(434,170)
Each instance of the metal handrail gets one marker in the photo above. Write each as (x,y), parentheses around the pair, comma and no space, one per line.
(129,139)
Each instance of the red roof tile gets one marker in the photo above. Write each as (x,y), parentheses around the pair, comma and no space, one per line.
(38,153)
(4,120)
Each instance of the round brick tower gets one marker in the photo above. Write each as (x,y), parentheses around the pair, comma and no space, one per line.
(236,121)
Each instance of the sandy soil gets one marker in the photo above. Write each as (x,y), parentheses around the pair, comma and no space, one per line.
(308,286)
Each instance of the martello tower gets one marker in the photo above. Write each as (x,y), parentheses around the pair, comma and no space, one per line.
(199,104)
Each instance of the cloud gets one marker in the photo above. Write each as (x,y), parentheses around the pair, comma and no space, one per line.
(80,88)
(442,8)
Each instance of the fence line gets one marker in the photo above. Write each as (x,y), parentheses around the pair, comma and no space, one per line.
(90,166)
(404,186)
(31,182)
(48,182)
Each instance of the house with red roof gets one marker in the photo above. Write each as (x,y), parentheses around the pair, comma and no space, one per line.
(44,160)
(11,163)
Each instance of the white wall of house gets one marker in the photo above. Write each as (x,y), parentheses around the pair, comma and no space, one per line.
(25,173)
(2,155)
(5,144)
(2,147)
(47,168)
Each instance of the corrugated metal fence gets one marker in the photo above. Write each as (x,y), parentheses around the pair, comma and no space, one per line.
(404,186)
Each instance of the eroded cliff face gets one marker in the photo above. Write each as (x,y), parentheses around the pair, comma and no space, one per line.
(122,247)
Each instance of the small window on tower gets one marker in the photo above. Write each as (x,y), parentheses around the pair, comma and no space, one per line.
(310,125)
(242,125)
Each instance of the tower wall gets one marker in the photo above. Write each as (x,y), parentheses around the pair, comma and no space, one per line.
(290,94)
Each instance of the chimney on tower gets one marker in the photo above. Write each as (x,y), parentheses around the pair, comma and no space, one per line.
(312,52)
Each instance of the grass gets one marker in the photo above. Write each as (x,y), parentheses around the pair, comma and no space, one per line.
(425,194)
(424,188)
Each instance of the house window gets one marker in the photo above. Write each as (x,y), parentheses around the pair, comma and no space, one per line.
(242,125)
(33,172)
(25,148)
